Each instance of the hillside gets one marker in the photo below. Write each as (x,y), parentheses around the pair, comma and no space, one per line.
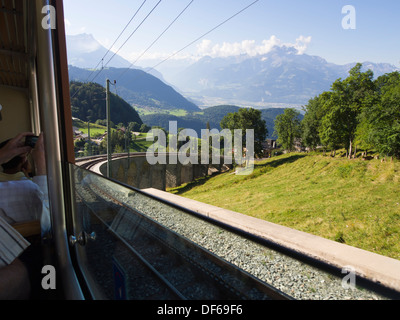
(136,87)
(352,201)
(89,104)
(212,115)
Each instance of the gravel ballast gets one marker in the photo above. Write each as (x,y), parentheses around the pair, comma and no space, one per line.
(295,278)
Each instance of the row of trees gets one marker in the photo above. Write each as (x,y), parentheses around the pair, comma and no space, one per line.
(246,119)
(243,119)
(358,112)
(132,126)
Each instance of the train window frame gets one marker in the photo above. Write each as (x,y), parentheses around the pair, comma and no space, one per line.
(50,103)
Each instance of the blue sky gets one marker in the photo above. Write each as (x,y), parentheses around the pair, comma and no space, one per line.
(312,26)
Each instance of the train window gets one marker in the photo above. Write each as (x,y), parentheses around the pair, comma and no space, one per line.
(130,245)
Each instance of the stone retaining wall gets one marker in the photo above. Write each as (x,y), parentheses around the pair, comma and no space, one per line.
(138,173)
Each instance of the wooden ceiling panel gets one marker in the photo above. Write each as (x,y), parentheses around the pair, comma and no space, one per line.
(13,50)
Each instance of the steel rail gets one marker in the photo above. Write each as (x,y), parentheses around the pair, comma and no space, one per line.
(246,279)
(138,255)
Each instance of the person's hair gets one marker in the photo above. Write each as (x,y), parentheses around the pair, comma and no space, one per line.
(14,162)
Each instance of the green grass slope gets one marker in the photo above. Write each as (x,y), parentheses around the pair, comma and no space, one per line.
(351,201)
(138,144)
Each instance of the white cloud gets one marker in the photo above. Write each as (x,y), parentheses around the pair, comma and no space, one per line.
(206,47)
(226,49)
(302,44)
(138,57)
(67,24)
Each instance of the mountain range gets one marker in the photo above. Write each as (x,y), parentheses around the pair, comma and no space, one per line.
(84,51)
(271,82)
(281,76)
(136,87)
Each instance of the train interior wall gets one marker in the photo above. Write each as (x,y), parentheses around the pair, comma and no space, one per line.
(16,116)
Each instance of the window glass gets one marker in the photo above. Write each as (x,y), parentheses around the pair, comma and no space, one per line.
(133,246)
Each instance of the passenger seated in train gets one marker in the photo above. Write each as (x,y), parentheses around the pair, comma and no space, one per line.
(15,282)
(23,198)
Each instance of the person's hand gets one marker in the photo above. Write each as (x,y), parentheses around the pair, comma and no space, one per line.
(39,157)
(15,147)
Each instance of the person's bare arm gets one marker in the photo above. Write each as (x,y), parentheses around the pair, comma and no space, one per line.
(14,148)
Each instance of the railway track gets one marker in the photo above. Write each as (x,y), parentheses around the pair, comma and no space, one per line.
(89,162)
(168,265)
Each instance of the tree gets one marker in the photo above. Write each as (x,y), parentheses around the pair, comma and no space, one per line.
(382,120)
(103,122)
(134,126)
(144,128)
(88,149)
(331,129)
(347,100)
(311,122)
(288,128)
(357,111)
(246,119)
(364,136)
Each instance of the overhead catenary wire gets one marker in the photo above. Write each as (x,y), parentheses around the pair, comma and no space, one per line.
(119,36)
(194,41)
(162,33)
(134,31)
(130,36)
(180,50)
(203,35)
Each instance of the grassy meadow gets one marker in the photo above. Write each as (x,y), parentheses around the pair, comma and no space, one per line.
(138,144)
(144,111)
(350,201)
(95,129)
